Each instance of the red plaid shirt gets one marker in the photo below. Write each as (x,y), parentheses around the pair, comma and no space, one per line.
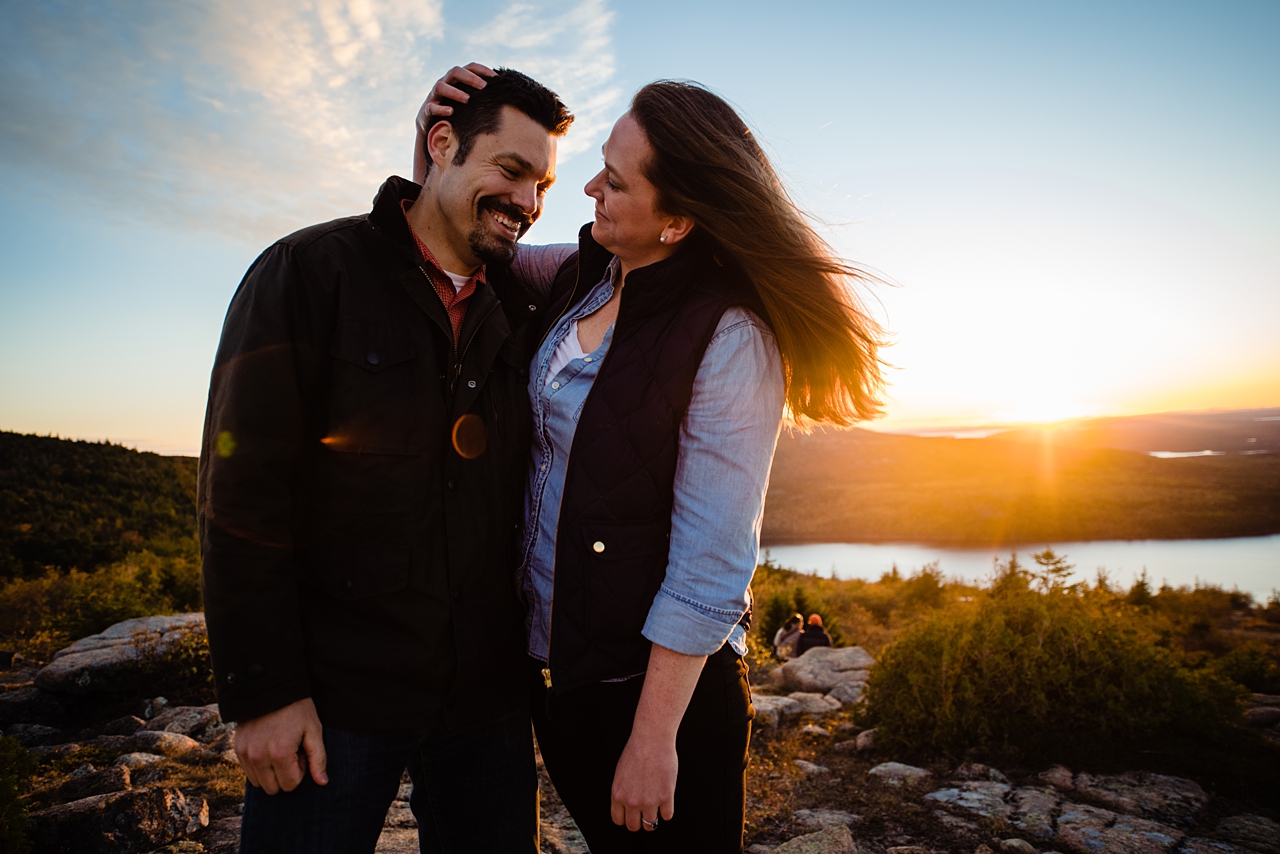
(455,301)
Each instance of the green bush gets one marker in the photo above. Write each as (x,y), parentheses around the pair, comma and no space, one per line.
(16,768)
(1026,670)
(39,616)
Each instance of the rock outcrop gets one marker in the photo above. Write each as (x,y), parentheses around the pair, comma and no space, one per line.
(96,662)
(118,823)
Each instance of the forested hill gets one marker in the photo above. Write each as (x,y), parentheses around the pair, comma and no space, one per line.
(68,504)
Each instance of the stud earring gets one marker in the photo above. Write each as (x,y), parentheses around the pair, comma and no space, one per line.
(662,239)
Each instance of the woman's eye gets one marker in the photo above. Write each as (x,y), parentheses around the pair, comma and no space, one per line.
(608,182)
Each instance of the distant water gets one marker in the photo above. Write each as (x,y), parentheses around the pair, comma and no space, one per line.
(1251,564)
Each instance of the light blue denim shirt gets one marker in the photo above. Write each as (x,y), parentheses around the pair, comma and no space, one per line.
(726,448)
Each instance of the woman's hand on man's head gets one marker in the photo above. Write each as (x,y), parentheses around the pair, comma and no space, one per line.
(472,74)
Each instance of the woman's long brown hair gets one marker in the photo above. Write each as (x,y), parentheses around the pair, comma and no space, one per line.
(708,166)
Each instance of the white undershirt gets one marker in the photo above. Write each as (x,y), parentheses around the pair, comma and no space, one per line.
(566,351)
(458,281)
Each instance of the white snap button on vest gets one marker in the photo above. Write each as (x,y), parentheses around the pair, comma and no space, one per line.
(597,547)
(588,359)
(555,385)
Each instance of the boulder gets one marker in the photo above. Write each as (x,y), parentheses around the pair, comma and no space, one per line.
(29,705)
(118,823)
(1018,846)
(169,744)
(819,819)
(897,774)
(832,840)
(127,725)
(815,704)
(822,668)
(86,783)
(1154,796)
(978,771)
(95,663)
(34,735)
(810,767)
(1252,831)
(1034,811)
(815,731)
(1087,828)
(980,798)
(202,723)
(772,710)
(1059,777)
(848,746)
(1266,700)
(867,740)
(1262,716)
(847,692)
(137,760)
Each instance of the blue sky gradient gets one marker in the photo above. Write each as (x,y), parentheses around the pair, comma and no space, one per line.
(1078,204)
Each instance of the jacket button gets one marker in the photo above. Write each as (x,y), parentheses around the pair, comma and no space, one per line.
(597,547)
(471,383)
(231,679)
(452,484)
(532,307)
(346,585)
(371,357)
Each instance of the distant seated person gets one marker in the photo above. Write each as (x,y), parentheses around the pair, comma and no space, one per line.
(784,640)
(813,635)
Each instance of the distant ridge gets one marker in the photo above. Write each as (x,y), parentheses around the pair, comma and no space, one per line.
(66,504)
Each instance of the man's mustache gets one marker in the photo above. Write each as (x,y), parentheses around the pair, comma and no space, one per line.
(508,210)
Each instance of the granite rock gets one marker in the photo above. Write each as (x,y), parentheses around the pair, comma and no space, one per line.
(823,668)
(1254,831)
(831,840)
(96,662)
(815,704)
(897,774)
(119,823)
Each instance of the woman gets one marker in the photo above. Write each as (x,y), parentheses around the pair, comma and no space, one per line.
(700,303)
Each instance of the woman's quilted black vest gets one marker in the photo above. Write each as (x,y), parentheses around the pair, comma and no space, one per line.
(615,515)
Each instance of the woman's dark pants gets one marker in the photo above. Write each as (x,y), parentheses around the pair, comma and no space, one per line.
(582,733)
(474,790)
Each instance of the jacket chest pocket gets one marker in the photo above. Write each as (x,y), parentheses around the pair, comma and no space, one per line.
(626,562)
(377,396)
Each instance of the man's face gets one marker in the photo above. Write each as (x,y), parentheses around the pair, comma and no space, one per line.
(494,196)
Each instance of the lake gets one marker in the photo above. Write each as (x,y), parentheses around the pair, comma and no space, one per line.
(1251,564)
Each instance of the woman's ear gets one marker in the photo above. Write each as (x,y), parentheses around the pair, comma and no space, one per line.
(677,229)
(442,142)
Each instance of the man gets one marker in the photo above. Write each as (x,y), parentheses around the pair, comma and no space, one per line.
(361,480)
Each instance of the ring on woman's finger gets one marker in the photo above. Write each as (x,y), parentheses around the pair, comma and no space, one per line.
(650,825)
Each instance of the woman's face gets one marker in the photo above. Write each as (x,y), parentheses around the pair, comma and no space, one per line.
(628,223)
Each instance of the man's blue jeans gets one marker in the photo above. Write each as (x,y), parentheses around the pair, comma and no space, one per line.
(474,790)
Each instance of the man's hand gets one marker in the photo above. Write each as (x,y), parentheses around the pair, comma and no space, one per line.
(472,74)
(276,749)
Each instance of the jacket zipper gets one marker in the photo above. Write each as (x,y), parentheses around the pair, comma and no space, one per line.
(457,357)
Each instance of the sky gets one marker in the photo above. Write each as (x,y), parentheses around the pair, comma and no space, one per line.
(1075,207)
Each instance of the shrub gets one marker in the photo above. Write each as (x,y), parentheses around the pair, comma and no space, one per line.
(39,616)
(16,767)
(1025,671)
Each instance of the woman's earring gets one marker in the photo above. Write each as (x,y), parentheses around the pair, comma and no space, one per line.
(662,238)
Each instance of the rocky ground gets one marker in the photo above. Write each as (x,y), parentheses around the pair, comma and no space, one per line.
(161,777)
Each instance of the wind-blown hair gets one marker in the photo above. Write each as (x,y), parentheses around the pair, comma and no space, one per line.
(707,166)
(483,111)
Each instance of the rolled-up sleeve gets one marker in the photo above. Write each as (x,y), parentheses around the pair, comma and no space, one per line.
(726,449)
(537,266)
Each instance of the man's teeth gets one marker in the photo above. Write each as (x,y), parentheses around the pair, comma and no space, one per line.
(502,220)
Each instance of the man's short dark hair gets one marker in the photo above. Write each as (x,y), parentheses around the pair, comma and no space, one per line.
(483,112)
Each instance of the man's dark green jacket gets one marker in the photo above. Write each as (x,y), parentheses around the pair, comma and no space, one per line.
(361,480)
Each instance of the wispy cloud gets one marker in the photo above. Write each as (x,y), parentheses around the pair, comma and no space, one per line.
(255,119)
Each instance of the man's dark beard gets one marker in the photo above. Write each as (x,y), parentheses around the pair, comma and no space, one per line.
(487,246)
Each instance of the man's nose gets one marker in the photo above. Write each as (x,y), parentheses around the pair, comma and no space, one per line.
(526,198)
